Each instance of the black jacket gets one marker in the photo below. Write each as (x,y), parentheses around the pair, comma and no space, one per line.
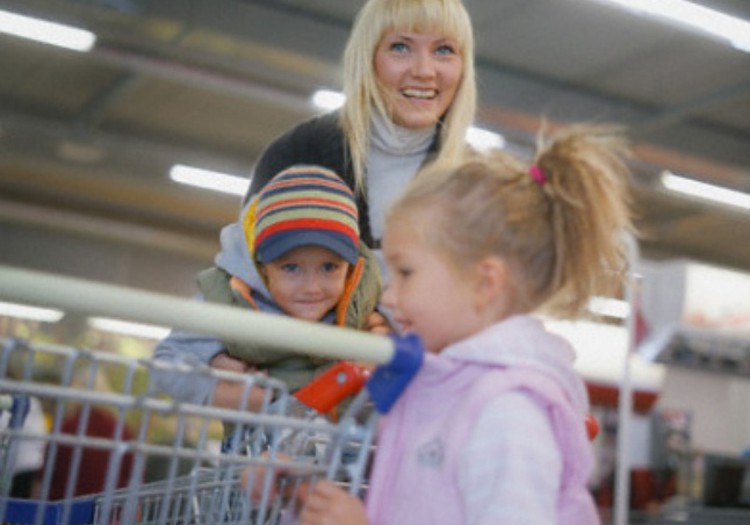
(318,141)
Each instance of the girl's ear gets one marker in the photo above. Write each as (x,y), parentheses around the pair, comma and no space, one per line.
(492,282)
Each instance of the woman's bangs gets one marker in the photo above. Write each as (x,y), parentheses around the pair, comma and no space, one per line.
(443,18)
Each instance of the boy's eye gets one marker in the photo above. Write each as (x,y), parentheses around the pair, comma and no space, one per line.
(289,267)
(330,267)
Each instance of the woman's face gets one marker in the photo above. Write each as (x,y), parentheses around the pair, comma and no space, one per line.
(419,74)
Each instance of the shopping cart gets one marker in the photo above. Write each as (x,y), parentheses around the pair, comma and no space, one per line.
(106,461)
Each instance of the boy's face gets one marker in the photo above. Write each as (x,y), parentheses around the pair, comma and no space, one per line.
(307,282)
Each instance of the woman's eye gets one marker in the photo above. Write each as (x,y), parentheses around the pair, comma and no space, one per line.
(399,47)
(445,49)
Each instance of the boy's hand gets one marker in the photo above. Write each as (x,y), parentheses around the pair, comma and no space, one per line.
(223,361)
(229,394)
(376,323)
(328,504)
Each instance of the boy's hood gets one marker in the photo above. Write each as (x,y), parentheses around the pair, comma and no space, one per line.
(234,255)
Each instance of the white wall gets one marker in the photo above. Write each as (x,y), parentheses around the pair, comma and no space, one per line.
(714,300)
(720,405)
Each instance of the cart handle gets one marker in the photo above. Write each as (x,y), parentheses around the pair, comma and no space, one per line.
(384,385)
(279,332)
(388,381)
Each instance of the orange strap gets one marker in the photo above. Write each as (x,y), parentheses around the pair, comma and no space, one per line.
(351,286)
(241,287)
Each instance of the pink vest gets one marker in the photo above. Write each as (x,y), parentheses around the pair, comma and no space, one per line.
(445,401)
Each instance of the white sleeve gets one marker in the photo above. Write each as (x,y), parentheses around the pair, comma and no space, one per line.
(30,452)
(511,468)
(192,349)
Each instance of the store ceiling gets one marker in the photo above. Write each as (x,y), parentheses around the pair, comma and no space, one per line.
(86,139)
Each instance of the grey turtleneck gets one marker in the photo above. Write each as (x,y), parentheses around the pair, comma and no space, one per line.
(395,154)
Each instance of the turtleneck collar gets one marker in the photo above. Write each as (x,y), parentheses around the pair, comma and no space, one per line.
(389,137)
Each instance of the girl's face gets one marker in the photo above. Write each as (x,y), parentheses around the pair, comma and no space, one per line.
(307,282)
(419,74)
(426,294)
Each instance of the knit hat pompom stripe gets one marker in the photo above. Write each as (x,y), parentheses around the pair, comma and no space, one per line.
(304,206)
(299,215)
(303,182)
(280,205)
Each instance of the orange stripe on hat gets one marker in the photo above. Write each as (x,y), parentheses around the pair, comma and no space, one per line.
(306,199)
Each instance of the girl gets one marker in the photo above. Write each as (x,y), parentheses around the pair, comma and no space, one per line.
(491,428)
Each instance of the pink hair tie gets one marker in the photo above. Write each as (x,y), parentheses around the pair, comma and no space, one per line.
(538,175)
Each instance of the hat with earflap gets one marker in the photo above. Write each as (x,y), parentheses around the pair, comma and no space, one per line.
(303,206)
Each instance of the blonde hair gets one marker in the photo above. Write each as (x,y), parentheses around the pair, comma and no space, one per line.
(561,235)
(448,17)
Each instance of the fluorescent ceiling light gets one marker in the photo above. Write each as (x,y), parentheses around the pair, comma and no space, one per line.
(46,32)
(609,307)
(328,100)
(210,180)
(34,313)
(483,139)
(118,326)
(701,190)
(716,23)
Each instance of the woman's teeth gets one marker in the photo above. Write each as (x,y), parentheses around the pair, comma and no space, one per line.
(419,93)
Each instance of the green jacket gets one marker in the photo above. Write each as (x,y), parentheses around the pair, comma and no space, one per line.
(360,299)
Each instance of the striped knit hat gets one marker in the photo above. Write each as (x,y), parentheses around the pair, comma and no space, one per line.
(303,206)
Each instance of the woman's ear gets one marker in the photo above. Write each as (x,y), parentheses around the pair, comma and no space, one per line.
(491,281)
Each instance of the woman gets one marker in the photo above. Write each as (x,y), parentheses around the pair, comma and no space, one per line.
(410,92)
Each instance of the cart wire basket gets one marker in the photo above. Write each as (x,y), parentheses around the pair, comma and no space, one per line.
(119,451)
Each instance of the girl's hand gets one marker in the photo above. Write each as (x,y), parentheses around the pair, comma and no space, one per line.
(252,479)
(376,323)
(328,504)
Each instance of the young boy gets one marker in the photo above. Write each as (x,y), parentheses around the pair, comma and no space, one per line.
(295,251)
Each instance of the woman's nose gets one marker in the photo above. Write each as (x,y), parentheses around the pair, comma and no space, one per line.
(423,65)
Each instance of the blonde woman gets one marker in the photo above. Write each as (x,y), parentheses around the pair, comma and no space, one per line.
(409,82)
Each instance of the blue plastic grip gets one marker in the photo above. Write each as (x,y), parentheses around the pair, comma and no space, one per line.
(19,411)
(24,512)
(388,381)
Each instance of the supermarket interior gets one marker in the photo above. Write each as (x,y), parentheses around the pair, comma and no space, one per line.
(98,144)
